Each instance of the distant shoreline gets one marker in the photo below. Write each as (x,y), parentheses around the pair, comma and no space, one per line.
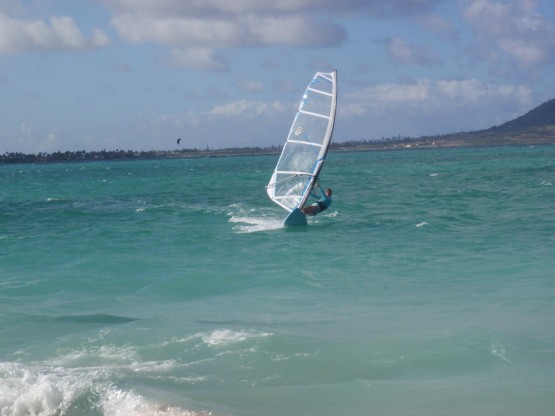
(483,138)
(535,128)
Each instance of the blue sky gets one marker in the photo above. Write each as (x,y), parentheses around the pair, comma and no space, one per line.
(138,74)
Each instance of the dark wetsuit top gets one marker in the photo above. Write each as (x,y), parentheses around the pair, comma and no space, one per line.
(324,202)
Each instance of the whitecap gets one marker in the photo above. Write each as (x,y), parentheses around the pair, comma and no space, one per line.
(249,220)
(122,356)
(38,391)
(246,224)
(227,337)
(498,350)
(118,402)
(42,389)
(422,224)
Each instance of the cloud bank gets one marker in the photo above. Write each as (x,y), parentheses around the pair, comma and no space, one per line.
(58,33)
(198,28)
(514,28)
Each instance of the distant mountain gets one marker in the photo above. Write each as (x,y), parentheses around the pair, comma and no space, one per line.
(541,116)
(536,127)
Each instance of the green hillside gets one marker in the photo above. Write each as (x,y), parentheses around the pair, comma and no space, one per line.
(541,116)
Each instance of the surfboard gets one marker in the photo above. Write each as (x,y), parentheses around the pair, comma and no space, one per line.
(295,217)
(306,147)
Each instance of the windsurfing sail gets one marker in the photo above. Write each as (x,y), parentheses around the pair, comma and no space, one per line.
(307,144)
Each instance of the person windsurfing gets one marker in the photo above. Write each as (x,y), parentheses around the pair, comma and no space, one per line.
(322,204)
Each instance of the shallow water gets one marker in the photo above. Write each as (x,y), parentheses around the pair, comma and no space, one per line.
(169,287)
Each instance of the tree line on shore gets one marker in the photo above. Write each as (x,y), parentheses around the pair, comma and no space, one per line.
(490,137)
(77,156)
(83,155)
(104,155)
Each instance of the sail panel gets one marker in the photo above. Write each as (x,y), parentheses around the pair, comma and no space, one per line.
(289,189)
(308,128)
(317,102)
(305,149)
(298,157)
(324,82)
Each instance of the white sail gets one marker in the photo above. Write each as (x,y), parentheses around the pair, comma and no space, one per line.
(307,144)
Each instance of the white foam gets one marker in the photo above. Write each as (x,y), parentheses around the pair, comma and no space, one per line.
(246,221)
(154,207)
(119,359)
(498,350)
(38,391)
(227,337)
(254,224)
(111,354)
(250,220)
(422,224)
(117,402)
(44,391)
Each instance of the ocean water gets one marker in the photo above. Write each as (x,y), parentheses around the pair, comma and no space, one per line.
(169,287)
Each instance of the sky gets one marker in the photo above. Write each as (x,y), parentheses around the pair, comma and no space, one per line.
(139,74)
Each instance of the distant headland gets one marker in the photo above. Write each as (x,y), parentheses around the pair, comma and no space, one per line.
(536,127)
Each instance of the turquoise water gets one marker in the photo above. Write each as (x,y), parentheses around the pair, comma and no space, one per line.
(169,287)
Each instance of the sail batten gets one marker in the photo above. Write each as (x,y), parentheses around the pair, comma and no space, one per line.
(307,144)
(314,114)
(319,91)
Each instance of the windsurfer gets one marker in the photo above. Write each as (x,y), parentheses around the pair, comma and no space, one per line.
(323,203)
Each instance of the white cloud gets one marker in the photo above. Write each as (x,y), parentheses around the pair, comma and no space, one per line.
(28,136)
(58,33)
(248,109)
(286,86)
(26,130)
(176,30)
(232,7)
(435,24)
(237,23)
(429,107)
(235,111)
(236,123)
(197,58)
(431,95)
(410,53)
(250,85)
(99,39)
(52,140)
(420,108)
(218,26)
(515,29)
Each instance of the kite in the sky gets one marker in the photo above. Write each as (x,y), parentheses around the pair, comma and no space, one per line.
(178,140)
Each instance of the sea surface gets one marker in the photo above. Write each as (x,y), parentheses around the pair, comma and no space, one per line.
(170,287)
